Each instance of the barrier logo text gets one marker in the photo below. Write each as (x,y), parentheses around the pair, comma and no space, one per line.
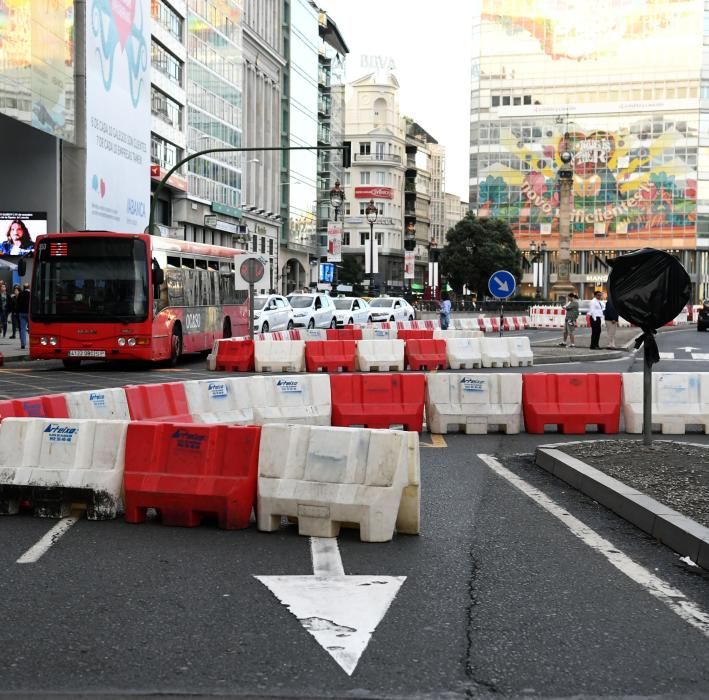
(98,400)
(60,433)
(470,384)
(289,386)
(217,390)
(188,440)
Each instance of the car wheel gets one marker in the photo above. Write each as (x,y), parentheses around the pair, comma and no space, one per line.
(411,318)
(289,327)
(333,323)
(175,346)
(311,324)
(71,363)
(369,319)
(350,322)
(264,328)
(391,318)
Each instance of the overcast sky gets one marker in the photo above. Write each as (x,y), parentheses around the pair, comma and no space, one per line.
(429,43)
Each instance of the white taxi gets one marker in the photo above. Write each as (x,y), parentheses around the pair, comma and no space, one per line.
(349,310)
(391,309)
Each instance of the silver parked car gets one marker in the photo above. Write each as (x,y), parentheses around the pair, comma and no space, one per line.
(314,310)
(272,312)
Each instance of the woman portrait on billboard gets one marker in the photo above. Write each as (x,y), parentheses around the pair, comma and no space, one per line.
(18,241)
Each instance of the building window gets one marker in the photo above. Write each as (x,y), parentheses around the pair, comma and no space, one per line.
(364,148)
(165,108)
(345,238)
(165,62)
(363,238)
(364,177)
(379,177)
(167,18)
(164,153)
(378,235)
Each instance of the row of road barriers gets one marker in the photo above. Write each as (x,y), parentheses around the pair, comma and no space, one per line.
(316,448)
(547,316)
(416,350)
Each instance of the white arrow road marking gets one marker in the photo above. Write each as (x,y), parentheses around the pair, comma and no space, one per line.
(689,348)
(504,287)
(667,594)
(52,537)
(340,611)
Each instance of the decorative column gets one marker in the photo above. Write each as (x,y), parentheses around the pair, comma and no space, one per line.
(562,287)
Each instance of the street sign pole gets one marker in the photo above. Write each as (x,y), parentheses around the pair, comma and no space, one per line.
(251,310)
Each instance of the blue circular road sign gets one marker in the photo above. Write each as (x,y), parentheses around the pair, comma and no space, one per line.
(501,284)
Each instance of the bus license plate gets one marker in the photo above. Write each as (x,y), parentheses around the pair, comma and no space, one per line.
(87,353)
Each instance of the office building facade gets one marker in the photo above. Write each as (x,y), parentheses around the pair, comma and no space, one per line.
(618,85)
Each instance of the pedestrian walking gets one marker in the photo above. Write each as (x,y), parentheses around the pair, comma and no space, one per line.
(445,312)
(596,313)
(611,316)
(12,310)
(23,312)
(4,301)
(570,320)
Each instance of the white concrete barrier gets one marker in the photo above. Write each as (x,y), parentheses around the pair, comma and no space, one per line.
(327,477)
(291,399)
(679,400)
(521,354)
(473,402)
(53,462)
(107,404)
(465,324)
(380,355)
(424,324)
(495,352)
(312,333)
(464,353)
(377,333)
(279,356)
(220,400)
(456,333)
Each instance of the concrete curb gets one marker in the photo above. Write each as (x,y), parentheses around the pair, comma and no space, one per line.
(681,534)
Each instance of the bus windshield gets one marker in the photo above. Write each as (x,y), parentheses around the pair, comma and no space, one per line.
(84,279)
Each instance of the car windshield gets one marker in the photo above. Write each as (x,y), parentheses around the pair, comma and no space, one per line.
(301,302)
(381,302)
(342,304)
(259,302)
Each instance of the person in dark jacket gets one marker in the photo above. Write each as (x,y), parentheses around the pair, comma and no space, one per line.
(611,316)
(12,309)
(23,311)
(4,300)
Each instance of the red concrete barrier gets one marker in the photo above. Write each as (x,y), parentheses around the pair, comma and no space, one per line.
(188,471)
(378,400)
(425,354)
(571,402)
(49,406)
(414,334)
(330,355)
(235,356)
(344,333)
(158,402)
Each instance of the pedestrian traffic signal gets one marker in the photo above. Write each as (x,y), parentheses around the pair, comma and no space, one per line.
(346,154)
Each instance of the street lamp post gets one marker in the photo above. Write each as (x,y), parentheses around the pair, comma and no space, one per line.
(337,198)
(539,273)
(371,213)
(409,247)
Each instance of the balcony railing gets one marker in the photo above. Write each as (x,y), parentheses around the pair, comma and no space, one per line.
(377,157)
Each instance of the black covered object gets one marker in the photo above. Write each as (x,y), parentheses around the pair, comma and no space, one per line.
(649,288)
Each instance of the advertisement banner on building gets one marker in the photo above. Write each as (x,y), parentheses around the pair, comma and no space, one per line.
(409,264)
(334,241)
(21,229)
(118,116)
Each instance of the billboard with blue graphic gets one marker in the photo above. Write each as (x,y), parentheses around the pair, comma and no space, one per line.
(117,115)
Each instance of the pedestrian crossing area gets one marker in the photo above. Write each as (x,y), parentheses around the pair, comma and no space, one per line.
(685,354)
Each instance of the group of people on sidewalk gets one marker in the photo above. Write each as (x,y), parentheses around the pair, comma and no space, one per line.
(597,312)
(15,307)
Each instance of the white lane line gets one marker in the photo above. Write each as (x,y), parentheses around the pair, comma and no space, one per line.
(325,554)
(673,598)
(52,537)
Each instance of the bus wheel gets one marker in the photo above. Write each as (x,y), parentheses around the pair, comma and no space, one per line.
(227,328)
(175,346)
(71,363)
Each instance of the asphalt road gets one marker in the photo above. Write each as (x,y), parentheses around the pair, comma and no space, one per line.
(510,590)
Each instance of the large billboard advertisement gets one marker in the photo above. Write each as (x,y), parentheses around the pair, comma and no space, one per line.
(19,231)
(117,115)
(37,64)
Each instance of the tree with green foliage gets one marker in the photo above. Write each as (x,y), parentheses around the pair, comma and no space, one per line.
(351,272)
(475,248)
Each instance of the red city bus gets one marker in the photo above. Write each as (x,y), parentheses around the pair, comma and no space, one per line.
(117,296)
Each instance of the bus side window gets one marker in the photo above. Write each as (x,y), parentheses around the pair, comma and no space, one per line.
(175,287)
(214,297)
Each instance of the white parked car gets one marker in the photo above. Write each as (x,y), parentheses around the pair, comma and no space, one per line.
(272,313)
(391,309)
(312,310)
(350,310)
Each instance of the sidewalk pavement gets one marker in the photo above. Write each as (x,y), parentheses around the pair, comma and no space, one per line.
(10,349)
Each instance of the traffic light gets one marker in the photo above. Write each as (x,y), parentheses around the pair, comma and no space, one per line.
(409,244)
(346,154)
(434,254)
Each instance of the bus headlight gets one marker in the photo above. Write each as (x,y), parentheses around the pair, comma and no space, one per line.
(131,342)
(43,341)
(121,341)
(52,341)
